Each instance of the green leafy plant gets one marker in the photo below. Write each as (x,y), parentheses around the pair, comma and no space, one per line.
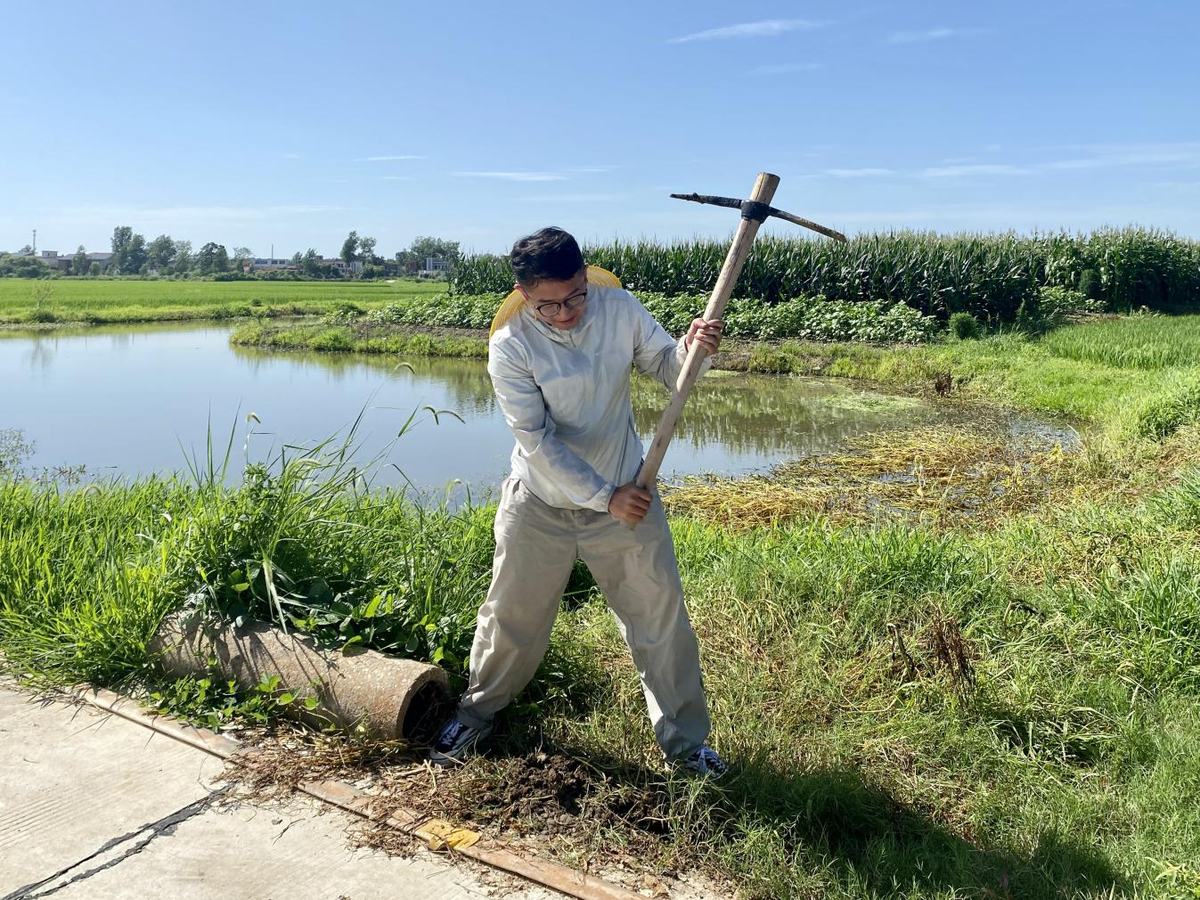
(213,702)
(965,327)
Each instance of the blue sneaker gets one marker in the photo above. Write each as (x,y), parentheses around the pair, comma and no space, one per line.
(704,762)
(456,741)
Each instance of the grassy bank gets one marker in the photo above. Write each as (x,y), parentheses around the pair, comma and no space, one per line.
(363,338)
(920,700)
(102,301)
(1137,376)
(914,711)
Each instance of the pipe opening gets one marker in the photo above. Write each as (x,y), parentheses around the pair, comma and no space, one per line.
(426,713)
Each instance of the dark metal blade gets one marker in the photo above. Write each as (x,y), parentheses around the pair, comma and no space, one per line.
(820,229)
(731,202)
(734,203)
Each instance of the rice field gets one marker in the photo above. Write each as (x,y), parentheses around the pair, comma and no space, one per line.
(97,301)
(1139,342)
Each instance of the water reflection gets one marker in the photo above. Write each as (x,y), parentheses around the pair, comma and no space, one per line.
(133,399)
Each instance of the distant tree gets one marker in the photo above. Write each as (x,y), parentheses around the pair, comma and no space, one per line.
(23,266)
(184,261)
(94,269)
(350,248)
(212,258)
(311,263)
(413,259)
(426,247)
(240,255)
(161,253)
(366,249)
(135,254)
(121,238)
(79,262)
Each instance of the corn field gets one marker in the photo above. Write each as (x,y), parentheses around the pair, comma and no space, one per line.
(988,276)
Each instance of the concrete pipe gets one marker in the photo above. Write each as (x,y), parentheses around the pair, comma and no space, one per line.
(387,695)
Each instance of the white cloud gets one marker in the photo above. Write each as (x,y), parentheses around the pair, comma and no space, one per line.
(514,176)
(859,173)
(765,28)
(181,219)
(932,34)
(787,68)
(180,216)
(571,198)
(998,216)
(1181,155)
(387,158)
(960,171)
(1175,185)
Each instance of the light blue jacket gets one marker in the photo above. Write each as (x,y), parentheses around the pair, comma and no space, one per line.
(565,395)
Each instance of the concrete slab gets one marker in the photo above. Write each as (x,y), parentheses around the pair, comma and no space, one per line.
(92,805)
(71,778)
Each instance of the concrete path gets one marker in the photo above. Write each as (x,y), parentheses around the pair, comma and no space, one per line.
(94,806)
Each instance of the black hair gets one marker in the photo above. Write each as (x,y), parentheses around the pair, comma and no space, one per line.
(549,253)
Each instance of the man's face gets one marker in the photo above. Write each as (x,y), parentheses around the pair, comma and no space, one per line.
(558,303)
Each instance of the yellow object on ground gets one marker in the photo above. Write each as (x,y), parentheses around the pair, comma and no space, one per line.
(512,303)
(439,834)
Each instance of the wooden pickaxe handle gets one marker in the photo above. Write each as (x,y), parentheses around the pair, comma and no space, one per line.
(764,191)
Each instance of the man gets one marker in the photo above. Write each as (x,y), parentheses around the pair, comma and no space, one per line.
(561,369)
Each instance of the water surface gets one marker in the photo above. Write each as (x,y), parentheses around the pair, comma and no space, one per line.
(132,400)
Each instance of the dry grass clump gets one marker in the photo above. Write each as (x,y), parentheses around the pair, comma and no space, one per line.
(275,764)
(549,803)
(937,474)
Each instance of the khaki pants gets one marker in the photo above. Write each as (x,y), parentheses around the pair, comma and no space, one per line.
(536,548)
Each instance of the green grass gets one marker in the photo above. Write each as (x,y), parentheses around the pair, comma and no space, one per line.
(1067,765)
(358,339)
(1061,759)
(99,301)
(1133,377)
(1140,342)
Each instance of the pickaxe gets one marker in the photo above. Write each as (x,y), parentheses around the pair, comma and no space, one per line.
(754,212)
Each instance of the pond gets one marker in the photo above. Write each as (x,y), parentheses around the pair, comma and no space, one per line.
(132,400)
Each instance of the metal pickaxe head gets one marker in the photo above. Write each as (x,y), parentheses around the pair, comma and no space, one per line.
(759,212)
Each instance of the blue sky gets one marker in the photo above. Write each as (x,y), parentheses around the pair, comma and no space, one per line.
(255,123)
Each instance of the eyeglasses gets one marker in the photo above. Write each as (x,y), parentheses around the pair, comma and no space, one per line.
(554,309)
